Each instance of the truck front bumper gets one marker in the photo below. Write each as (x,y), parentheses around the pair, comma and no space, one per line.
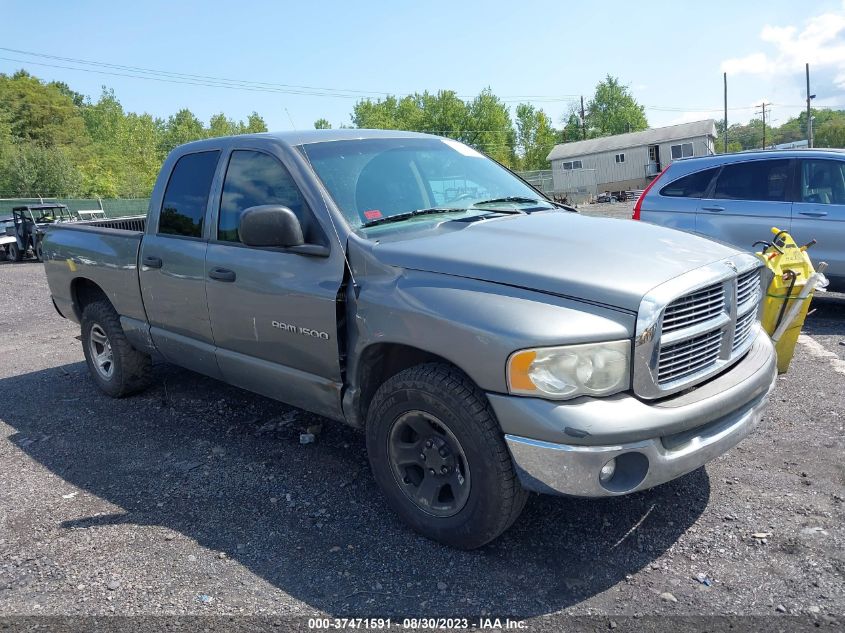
(647,443)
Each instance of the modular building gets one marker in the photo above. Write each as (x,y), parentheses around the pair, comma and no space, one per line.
(627,161)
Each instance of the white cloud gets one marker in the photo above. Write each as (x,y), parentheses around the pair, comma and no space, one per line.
(819,43)
(754,64)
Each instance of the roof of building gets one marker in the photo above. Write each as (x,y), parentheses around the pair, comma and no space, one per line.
(651,136)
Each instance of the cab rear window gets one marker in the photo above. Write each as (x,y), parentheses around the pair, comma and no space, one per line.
(186,196)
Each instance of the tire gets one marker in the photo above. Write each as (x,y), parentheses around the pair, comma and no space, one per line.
(13,253)
(117,368)
(39,251)
(437,410)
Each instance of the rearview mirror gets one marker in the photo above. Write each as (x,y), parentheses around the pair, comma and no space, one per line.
(270,225)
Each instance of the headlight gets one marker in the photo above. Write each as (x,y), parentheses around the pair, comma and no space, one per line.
(594,369)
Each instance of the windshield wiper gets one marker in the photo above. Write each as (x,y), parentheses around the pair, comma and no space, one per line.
(410,214)
(521,199)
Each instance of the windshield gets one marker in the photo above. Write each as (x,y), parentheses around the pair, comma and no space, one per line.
(374,179)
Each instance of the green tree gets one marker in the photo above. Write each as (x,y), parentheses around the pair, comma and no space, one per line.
(322,124)
(489,127)
(31,169)
(572,128)
(831,133)
(219,125)
(613,110)
(40,112)
(255,124)
(182,127)
(535,137)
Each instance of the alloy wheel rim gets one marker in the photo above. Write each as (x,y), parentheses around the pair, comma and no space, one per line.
(101,351)
(428,463)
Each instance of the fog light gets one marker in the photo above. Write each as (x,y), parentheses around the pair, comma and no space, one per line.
(606,472)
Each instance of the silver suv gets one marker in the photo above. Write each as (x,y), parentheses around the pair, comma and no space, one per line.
(737,198)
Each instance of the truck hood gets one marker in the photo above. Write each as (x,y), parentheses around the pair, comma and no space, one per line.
(601,260)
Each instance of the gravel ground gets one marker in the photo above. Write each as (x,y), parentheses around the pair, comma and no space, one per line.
(198,498)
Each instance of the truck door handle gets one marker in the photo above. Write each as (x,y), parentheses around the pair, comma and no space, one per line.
(813,214)
(222,274)
(152,262)
(713,209)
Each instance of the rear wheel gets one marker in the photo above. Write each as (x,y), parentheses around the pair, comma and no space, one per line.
(118,368)
(39,252)
(13,253)
(438,455)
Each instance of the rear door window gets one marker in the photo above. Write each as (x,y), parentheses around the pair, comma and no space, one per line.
(822,182)
(764,180)
(186,196)
(691,186)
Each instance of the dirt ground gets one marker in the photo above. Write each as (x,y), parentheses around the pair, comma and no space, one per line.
(196,497)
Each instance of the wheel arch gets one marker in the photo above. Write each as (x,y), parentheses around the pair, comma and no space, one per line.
(83,292)
(377,363)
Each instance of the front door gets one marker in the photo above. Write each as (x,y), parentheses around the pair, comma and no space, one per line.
(172,267)
(273,313)
(748,199)
(819,213)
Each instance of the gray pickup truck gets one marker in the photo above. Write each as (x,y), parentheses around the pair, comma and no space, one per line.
(489,342)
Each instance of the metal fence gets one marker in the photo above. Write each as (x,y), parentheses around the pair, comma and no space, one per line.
(111,207)
(539,178)
(577,185)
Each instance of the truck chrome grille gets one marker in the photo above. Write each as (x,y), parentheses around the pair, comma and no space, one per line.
(695,308)
(747,287)
(695,326)
(744,326)
(680,360)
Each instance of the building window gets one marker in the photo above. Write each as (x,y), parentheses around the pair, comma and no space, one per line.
(620,158)
(574,164)
(682,151)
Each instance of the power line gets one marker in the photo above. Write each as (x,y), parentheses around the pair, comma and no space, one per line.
(189,79)
(140,72)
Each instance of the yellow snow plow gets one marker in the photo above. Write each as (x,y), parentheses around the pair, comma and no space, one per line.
(787,299)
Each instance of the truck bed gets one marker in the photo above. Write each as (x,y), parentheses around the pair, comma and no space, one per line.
(128,223)
(104,252)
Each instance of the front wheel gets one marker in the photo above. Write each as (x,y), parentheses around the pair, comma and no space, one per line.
(438,455)
(39,251)
(13,253)
(118,368)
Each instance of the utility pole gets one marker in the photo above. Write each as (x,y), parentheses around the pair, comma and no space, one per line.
(763,112)
(583,120)
(809,115)
(725,77)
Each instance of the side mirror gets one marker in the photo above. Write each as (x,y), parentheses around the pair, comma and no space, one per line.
(270,225)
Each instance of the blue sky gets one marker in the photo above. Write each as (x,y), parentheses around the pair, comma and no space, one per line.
(671,54)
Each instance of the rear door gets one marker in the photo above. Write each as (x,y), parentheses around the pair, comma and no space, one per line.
(748,198)
(675,201)
(819,213)
(172,266)
(274,312)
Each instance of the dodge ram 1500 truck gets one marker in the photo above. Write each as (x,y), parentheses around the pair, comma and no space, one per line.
(489,342)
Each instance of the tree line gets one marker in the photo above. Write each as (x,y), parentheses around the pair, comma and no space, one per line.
(521,140)
(828,132)
(55,141)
